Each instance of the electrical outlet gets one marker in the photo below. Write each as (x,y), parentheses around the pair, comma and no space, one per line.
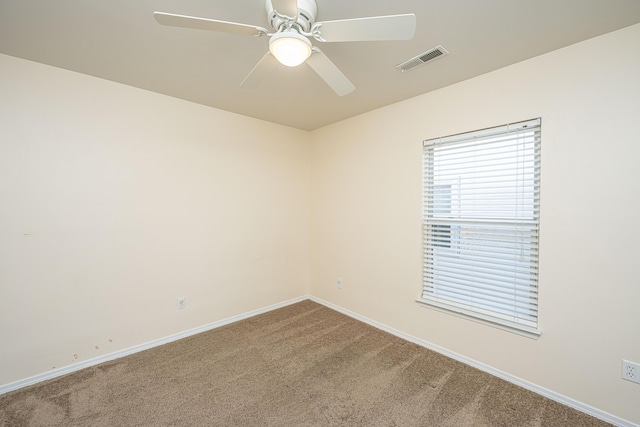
(182,303)
(339,283)
(631,371)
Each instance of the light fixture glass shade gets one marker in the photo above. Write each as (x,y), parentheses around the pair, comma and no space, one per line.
(290,48)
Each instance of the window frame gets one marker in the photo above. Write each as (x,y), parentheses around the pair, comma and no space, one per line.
(432,242)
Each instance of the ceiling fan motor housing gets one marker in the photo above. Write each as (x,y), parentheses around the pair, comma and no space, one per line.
(307,13)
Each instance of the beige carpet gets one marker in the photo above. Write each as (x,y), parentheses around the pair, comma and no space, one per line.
(302,365)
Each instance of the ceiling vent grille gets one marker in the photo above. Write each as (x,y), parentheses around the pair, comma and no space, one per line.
(423,58)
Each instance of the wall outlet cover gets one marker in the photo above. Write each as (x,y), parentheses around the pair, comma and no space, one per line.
(631,371)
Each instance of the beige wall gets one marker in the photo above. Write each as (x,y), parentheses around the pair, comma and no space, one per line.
(365,216)
(115,201)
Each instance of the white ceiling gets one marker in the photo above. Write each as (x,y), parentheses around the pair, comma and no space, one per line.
(119,40)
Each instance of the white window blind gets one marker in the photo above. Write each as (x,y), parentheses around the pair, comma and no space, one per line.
(481,204)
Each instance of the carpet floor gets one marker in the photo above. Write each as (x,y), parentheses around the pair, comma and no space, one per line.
(301,365)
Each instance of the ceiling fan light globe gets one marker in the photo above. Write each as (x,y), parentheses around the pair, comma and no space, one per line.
(290,48)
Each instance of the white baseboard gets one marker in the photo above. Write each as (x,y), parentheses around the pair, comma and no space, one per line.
(612,419)
(604,416)
(135,349)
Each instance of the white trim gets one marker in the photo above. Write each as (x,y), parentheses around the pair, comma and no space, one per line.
(612,419)
(597,413)
(135,349)
(514,328)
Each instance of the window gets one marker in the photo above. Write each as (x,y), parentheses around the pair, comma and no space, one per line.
(481,197)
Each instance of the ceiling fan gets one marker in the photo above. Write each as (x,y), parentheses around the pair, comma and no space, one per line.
(294,21)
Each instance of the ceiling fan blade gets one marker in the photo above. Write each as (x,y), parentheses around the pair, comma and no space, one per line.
(183,21)
(260,71)
(328,72)
(376,28)
(286,7)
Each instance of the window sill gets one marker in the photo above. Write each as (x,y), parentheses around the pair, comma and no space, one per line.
(523,330)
